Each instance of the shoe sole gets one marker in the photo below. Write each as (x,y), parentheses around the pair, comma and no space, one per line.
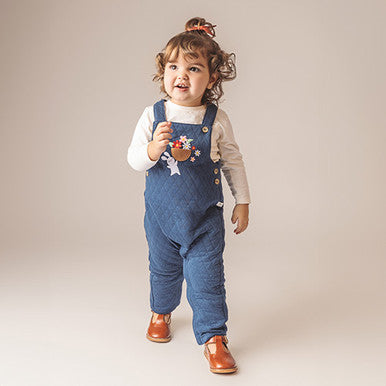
(221,371)
(158,340)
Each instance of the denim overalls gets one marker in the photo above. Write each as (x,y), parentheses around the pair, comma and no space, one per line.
(184,226)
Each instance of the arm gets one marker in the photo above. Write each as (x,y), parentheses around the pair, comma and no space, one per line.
(234,172)
(137,154)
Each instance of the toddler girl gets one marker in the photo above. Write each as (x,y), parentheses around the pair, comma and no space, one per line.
(183,142)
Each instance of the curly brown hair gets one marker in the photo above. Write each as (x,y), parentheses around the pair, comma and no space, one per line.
(191,42)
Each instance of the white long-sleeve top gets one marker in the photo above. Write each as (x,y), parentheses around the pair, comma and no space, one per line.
(223,145)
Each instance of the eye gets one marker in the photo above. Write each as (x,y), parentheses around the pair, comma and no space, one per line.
(195,69)
(172,66)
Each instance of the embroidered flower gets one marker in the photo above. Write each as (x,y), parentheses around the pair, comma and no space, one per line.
(197,153)
(182,143)
(193,147)
(177,144)
(192,159)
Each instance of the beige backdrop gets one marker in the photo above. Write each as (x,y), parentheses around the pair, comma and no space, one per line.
(305,282)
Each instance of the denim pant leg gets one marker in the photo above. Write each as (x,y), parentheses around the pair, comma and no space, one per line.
(204,274)
(166,268)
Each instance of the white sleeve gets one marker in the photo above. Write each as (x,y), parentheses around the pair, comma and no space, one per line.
(137,155)
(232,163)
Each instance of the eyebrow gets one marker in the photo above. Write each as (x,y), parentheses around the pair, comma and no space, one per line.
(190,64)
(197,64)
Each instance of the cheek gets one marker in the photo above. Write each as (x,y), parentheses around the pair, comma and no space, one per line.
(204,81)
(168,78)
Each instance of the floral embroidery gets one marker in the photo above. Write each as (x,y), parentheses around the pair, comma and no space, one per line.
(176,144)
(183,142)
(181,149)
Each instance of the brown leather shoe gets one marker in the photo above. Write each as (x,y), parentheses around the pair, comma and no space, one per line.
(159,330)
(219,357)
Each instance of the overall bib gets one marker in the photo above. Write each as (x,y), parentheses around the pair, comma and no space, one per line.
(184,226)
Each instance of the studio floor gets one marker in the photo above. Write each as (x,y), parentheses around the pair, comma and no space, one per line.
(79,318)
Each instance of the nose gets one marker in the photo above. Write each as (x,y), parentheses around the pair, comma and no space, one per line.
(182,74)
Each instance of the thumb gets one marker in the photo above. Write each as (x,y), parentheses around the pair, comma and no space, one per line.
(234,218)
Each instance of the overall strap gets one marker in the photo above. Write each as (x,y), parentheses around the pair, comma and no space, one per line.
(210,115)
(159,111)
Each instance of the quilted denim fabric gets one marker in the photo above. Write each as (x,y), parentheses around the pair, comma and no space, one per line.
(184,226)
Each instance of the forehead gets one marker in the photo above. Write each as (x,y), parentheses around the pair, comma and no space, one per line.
(178,55)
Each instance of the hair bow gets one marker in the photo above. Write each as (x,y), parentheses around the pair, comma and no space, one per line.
(205,28)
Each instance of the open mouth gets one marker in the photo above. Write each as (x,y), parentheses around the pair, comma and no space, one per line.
(181,86)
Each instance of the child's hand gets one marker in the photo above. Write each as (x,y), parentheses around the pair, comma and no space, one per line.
(240,214)
(160,140)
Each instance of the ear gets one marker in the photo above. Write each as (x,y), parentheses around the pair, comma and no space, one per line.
(212,80)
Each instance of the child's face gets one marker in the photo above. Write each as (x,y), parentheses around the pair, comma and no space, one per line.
(192,75)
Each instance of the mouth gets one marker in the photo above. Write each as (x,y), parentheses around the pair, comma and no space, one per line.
(182,86)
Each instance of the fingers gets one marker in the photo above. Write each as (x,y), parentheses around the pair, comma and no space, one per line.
(163,143)
(241,226)
(240,215)
(163,127)
(234,219)
(163,136)
(162,133)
